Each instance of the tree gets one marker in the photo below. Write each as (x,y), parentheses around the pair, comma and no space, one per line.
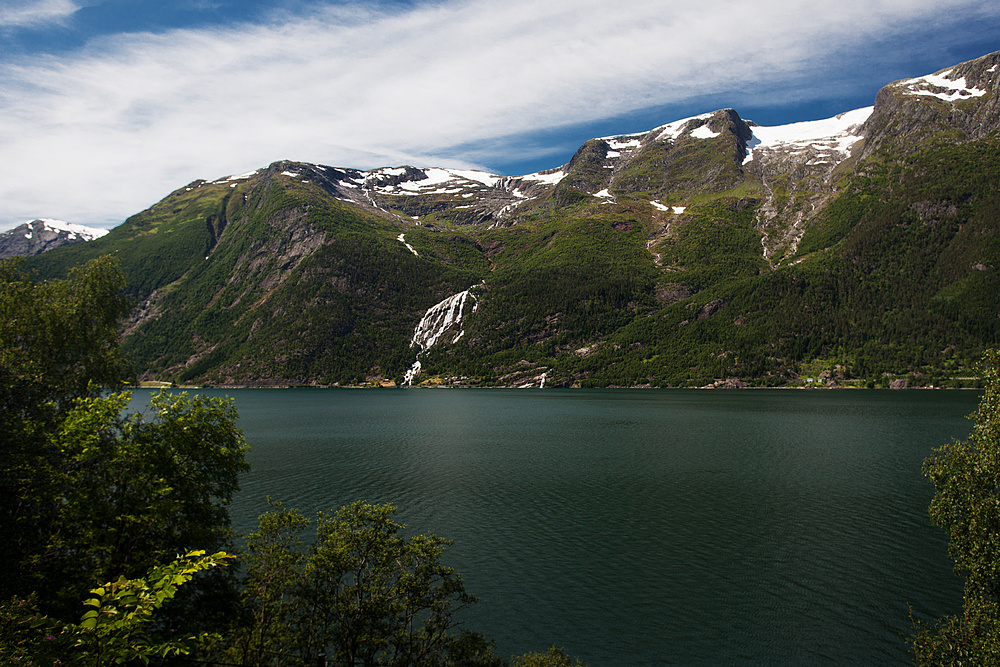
(116,627)
(132,491)
(87,493)
(361,593)
(58,343)
(271,606)
(966,503)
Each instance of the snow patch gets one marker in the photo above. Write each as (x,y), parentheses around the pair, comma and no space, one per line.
(75,231)
(941,87)
(704,132)
(678,209)
(240,177)
(551,179)
(623,142)
(389,171)
(659,206)
(434,181)
(489,180)
(675,129)
(833,135)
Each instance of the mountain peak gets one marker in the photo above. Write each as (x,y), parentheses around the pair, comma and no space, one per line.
(35,237)
(954,105)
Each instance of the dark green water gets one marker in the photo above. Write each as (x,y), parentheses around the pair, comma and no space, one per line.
(642,527)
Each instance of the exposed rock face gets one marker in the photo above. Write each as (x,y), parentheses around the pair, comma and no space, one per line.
(711,308)
(669,293)
(35,237)
(954,105)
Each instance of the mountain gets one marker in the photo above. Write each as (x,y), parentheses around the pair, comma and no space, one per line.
(709,251)
(38,236)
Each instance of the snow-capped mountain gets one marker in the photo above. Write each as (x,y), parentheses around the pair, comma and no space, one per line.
(602,167)
(707,250)
(791,169)
(38,236)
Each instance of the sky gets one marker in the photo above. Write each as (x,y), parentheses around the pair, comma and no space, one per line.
(106,106)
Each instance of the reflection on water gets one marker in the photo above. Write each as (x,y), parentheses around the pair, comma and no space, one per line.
(642,527)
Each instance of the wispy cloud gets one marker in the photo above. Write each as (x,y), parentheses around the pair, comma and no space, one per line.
(28,13)
(100,134)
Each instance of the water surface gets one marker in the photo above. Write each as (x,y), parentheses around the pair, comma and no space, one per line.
(642,527)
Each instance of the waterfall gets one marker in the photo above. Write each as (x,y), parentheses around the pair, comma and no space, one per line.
(437,321)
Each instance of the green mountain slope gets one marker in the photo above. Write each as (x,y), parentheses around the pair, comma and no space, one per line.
(268,280)
(709,251)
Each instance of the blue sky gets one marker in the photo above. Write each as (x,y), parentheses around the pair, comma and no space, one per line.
(108,105)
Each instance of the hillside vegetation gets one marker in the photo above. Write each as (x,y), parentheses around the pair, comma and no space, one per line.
(678,257)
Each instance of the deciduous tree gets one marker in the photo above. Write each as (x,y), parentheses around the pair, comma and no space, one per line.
(87,493)
(58,343)
(966,503)
(361,593)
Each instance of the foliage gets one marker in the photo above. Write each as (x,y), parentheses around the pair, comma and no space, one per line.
(361,593)
(277,281)
(58,344)
(158,245)
(908,284)
(57,338)
(90,494)
(270,603)
(966,478)
(117,627)
(132,490)
(554,657)
(305,262)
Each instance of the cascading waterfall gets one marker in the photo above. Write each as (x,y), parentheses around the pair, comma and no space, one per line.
(438,320)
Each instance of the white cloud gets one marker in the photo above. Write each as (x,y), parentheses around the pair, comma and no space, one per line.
(103,133)
(35,12)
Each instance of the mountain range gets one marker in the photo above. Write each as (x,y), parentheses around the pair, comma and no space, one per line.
(709,251)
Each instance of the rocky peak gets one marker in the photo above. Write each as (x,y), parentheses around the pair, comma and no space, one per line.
(38,236)
(953,105)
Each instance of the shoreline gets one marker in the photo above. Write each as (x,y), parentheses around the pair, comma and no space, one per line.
(164,385)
